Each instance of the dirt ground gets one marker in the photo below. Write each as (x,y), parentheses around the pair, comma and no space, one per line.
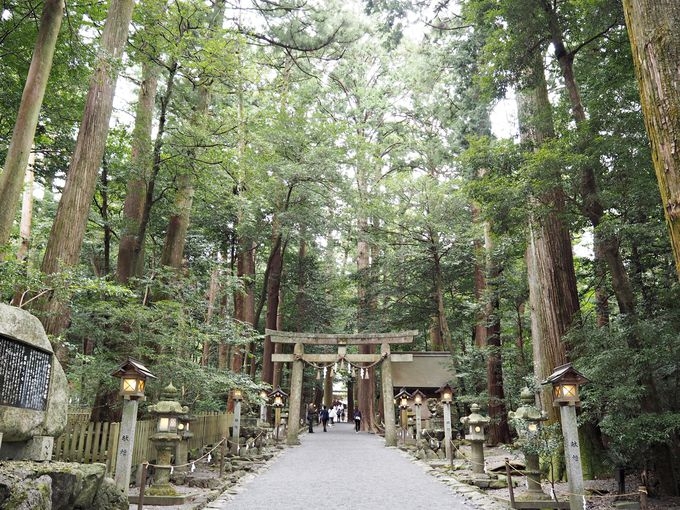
(600,494)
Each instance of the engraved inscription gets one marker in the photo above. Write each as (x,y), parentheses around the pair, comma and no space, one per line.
(24,375)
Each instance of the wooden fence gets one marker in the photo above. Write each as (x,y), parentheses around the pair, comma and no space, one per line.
(89,442)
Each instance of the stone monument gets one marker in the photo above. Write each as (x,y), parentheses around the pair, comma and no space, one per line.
(33,388)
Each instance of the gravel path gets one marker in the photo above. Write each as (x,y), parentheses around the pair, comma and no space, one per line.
(342,469)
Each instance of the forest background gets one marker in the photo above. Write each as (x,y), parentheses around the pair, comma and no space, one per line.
(331,167)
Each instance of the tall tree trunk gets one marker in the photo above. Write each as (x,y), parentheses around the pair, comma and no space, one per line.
(141,161)
(655,41)
(104,211)
(178,223)
(213,290)
(273,282)
(26,211)
(480,281)
(442,323)
(138,248)
(12,177)
(365,386)
(25,225)
(499,431)
(244,300)
(68,230)
(606,244)
(552,280)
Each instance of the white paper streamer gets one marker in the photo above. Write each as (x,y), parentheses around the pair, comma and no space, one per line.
(209,458)
(193,467)
(172,469)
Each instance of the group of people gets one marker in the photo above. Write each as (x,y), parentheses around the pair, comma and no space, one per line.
(335,414)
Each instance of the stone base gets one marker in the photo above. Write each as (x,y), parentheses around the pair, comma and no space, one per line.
(38,449)
(179,499)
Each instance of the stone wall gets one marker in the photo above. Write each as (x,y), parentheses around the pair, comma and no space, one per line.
(26,485)
(28,431)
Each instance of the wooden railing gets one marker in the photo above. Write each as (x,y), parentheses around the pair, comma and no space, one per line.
(88,442)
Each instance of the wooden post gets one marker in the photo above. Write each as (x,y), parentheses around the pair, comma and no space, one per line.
(223,455)
(295,397)
(508,475)
(388,397)
(642,490)
(142,487)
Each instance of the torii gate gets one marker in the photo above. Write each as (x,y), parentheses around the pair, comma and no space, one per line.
(298,358)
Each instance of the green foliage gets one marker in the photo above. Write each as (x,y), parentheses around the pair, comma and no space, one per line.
(613,397)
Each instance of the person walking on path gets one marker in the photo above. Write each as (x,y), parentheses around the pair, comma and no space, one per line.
(357,419)
(324,417)
(311,417)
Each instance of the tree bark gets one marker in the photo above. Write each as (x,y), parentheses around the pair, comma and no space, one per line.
(273,282)
(213,290)
(655,41)
(12,177)
(553,293)
(443,333)
(141,161)
(499,430)
(480,281)
(68,230)
(26,211)
(365,386)
(606,244)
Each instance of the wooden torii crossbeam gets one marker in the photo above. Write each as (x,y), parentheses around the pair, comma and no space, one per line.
(298,358)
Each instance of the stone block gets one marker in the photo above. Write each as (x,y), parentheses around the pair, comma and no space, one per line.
(38,448)
(38,402)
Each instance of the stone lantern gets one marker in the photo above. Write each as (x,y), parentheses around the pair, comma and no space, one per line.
(169,414)
(530,418)
(476,424)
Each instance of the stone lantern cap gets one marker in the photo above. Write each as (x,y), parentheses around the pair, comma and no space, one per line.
(528,411)
(167,405)
(475,418)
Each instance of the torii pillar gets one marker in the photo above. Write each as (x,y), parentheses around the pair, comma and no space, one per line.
(295,396)
(387,391)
